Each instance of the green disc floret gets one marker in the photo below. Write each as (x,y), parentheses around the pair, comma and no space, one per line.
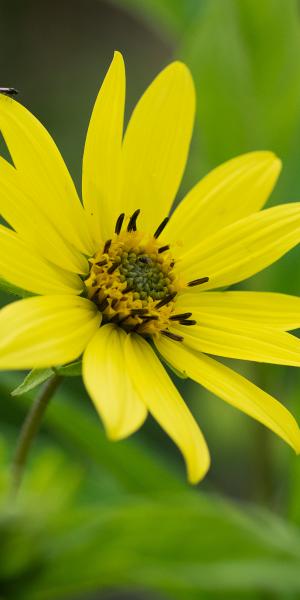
(144,275)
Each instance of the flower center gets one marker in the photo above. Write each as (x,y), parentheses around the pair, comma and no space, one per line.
(133,282)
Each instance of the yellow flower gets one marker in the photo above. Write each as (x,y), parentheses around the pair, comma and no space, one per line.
(118,282)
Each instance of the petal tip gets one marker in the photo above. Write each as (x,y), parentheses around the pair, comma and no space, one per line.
(119,432)
(296,444)
(118,57)
(274,161)
(277,162)
(180,69)
(195,476)
(113,435)
(264,156)
(183,78)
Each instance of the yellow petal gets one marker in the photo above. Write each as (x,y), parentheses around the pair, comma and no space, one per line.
(19,210)
(234,389)
(244,248)
(156,145)
(45,331)
(108,383)
(277,311)
(101,176)
(43,173)
(230,192)
(166,405)
(22,266)
(245,341)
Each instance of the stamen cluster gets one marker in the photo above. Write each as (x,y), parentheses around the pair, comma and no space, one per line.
(134,283)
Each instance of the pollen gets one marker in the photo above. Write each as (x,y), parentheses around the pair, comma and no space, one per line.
(134,282)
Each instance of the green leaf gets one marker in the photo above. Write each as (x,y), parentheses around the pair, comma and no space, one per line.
(9,288)
(38,376)
(32,380)
(72,370)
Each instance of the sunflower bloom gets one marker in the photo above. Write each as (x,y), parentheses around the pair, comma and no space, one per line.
(118,282)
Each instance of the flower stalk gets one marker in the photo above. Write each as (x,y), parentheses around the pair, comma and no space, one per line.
(29,430)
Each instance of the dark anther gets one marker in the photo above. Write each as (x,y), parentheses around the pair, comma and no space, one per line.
(114,302)
(101,263)
(198,281)
(104,304)
(116,319)
(145,259)
(106,246)
(166,300)
(186,322)
(119,223)
(113,267)
(161,227)
(148,318)
(172,336)
(123,319)
(180,317)
(163,249)
(138,311)
(132,221)
(172,263)
(128,289)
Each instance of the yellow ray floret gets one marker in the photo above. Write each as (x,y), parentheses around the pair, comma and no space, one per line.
(235,389)
(165,404)
(110,385)
(46,330)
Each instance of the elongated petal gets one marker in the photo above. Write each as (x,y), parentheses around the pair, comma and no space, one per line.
(235,339)
(230,192)
(156,145)
(245,247)
(43,173)
(166,405)
(22,266)
(108,382)
(33,225)
(45,331)
(102,176)
(277,311)
(234,389)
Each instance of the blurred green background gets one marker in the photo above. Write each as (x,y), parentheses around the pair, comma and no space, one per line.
(106,520)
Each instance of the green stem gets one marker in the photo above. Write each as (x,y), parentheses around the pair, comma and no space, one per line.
(29,430)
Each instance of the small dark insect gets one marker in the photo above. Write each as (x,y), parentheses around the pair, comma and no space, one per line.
(8,91)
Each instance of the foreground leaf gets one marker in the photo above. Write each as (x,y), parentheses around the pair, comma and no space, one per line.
(13,290)
(38,376)
(72,370)
(32,380)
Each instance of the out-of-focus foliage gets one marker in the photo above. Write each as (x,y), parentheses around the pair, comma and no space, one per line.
(97,518)
(173,17)
(245,59)
(94,515)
